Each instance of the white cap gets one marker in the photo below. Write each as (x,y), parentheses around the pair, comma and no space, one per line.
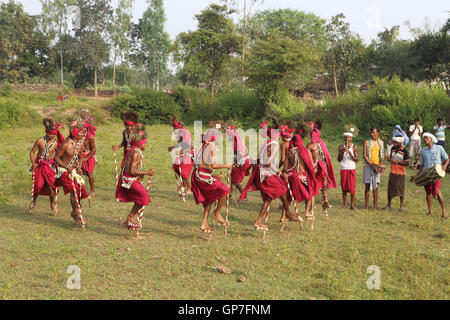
(429,135)
(399,139)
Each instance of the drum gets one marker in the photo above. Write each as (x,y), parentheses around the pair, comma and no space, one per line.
(430,175)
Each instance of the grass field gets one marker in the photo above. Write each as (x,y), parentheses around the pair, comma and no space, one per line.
(173,260)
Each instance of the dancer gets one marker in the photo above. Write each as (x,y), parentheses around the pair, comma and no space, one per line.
(266,176)
(322,163)
(184,162)
(242,162)
(348,157)
(69,159)
(42,166)
(298,171)
(90,150)
(399,158)
(206,187)
(130,119)
(373,158)
(130,188)
(433,154)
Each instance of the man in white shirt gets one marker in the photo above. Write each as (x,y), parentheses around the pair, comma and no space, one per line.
(415,131)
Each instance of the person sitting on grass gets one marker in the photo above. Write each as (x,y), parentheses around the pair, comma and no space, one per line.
(399,159)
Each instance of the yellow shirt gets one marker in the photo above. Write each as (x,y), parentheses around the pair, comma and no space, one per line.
(375,154)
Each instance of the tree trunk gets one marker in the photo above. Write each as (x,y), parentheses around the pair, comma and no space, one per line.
(114,73)
(95,76)
(335,82)
(213,79)
(124,74)
(62,69)
(157,82)
(243,45)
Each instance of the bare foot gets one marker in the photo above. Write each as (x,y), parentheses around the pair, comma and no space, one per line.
(444,215)
(366,208)
(220,220)
(429,214)
(292,217)
(91,195)
(352,207)
(344,207)
(376,208)
(261,227)
(206,229)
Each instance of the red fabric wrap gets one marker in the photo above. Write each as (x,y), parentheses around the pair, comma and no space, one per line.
(331,179)
(433,188)
(299,190)
(239,172)
(44,177)
(136,193)
(272,187)
(348,181)
(128,123)
(88,165)
(185,163)
(206,193)
(90,130)
(65,182)
(321,176)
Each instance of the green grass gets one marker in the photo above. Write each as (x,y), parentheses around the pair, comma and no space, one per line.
(174,261)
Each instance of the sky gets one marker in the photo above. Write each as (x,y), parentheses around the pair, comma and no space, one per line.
(366,17)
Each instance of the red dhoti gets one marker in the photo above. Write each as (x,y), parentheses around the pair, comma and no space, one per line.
(321,176)
(68,185)
(240,171)
(135,193)
(300,191)
(44,177)
(433,188)
(88,165)
(206,187)
(271,187)
(184,165)
(348,181)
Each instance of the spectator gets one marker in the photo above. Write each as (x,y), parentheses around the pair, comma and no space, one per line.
(439,131)
(416,131)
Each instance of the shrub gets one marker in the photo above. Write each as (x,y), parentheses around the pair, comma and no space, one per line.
(13,114)
(153,107)
(247,109)
(190,98)
(288,106)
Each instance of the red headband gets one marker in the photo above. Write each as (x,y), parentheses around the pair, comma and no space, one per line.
(129,123)
(177,125)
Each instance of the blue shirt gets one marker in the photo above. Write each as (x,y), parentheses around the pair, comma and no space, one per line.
(431,157)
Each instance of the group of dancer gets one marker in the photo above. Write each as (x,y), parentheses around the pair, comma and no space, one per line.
(285,169)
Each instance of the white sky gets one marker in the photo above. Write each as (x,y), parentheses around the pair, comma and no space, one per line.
(366,17)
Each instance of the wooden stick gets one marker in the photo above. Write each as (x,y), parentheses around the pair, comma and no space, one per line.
(300,220)
(32,193)
(265,221)
(141,211)
(78,201)
(228,202)
(117,173)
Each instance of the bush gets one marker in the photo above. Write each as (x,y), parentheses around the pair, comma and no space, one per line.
(14,114)
(288,106)
(191,99)
(247,109)
(153,107)
(391,103)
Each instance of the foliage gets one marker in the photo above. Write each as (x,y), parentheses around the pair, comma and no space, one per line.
(14,114)
(154,41)
(190,98)
(152,106)
(392,102)
(280,62)
(287,107)
(344,51)
(211,44)
(295,24)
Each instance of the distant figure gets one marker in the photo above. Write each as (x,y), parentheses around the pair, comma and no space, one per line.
(60,98)
(416,131)
(389,146)
(439,132)
(399,131)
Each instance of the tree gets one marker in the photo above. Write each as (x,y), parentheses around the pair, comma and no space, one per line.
(95,24)
(342,55)
(16,28)
(279,62)
(433,56)
(213,43)
(120,28)
(54,22)
(155,42)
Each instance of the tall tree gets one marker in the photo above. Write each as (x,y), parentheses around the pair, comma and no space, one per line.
(16,28)
(121,26)
(279,62)
(213,43)
(155,42)
(93,34)
(342,55)
(54,21)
